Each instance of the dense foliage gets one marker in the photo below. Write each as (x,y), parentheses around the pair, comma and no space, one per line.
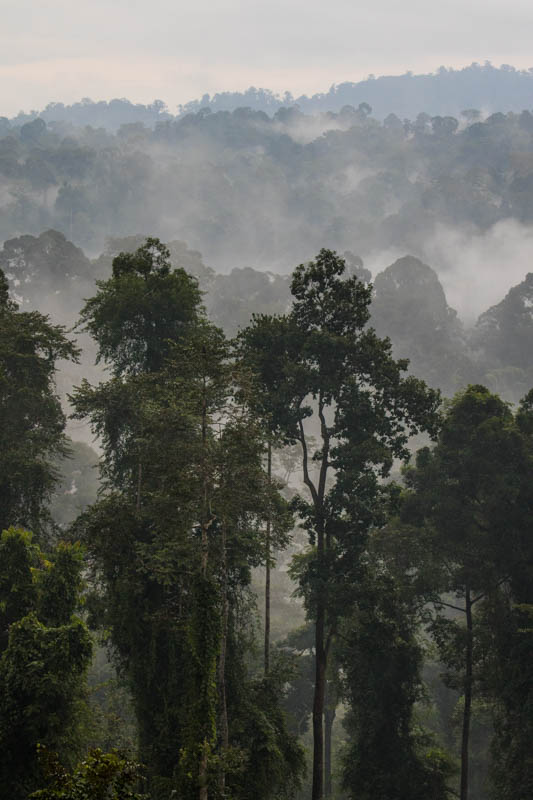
(100,776)
(179,530)
(31,418)
(321,366)
(428,576)
(44,653)
(251,189)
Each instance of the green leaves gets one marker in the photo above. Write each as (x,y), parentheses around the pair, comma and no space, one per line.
(470,491)
(44,653)
(175,538)
(381,658)
(140,309)
(31,419)
(325,302)
(100,776)
(321,371)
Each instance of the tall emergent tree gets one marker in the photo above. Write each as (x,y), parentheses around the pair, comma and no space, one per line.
(511,648)
(322,371)
(469,500)
(135,318)
(31,419)
(176,535)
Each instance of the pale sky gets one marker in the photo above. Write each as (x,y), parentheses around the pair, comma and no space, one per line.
(175,50)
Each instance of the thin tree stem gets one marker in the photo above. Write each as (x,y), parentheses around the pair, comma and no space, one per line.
(224,728)
(467,695)
(329,718)
(267,575)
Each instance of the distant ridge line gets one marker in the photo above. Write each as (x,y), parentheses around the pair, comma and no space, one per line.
(444,92)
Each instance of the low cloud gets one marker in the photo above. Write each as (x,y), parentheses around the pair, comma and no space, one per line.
(478,269)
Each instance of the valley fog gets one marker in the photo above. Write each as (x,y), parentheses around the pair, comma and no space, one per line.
(266,452)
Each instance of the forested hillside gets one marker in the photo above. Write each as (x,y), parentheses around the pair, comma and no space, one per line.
(409,306)
(247,189)
(266,454)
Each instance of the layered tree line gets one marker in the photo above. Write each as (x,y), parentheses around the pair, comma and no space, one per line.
(282,186)
(399,571)
(409,305)
(446,91)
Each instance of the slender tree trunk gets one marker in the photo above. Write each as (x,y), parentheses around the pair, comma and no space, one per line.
(320,675)
(202,769)
(267,575)
(329,718)
(468,696)
(321,655)
(318,704)
(205,497)
(224,729)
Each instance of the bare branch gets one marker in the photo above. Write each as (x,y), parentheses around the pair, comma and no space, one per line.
(449,605)
(325,450)
(305,464)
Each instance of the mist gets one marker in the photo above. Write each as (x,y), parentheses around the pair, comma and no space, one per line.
(251,190)
(478,269)
(218,510)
